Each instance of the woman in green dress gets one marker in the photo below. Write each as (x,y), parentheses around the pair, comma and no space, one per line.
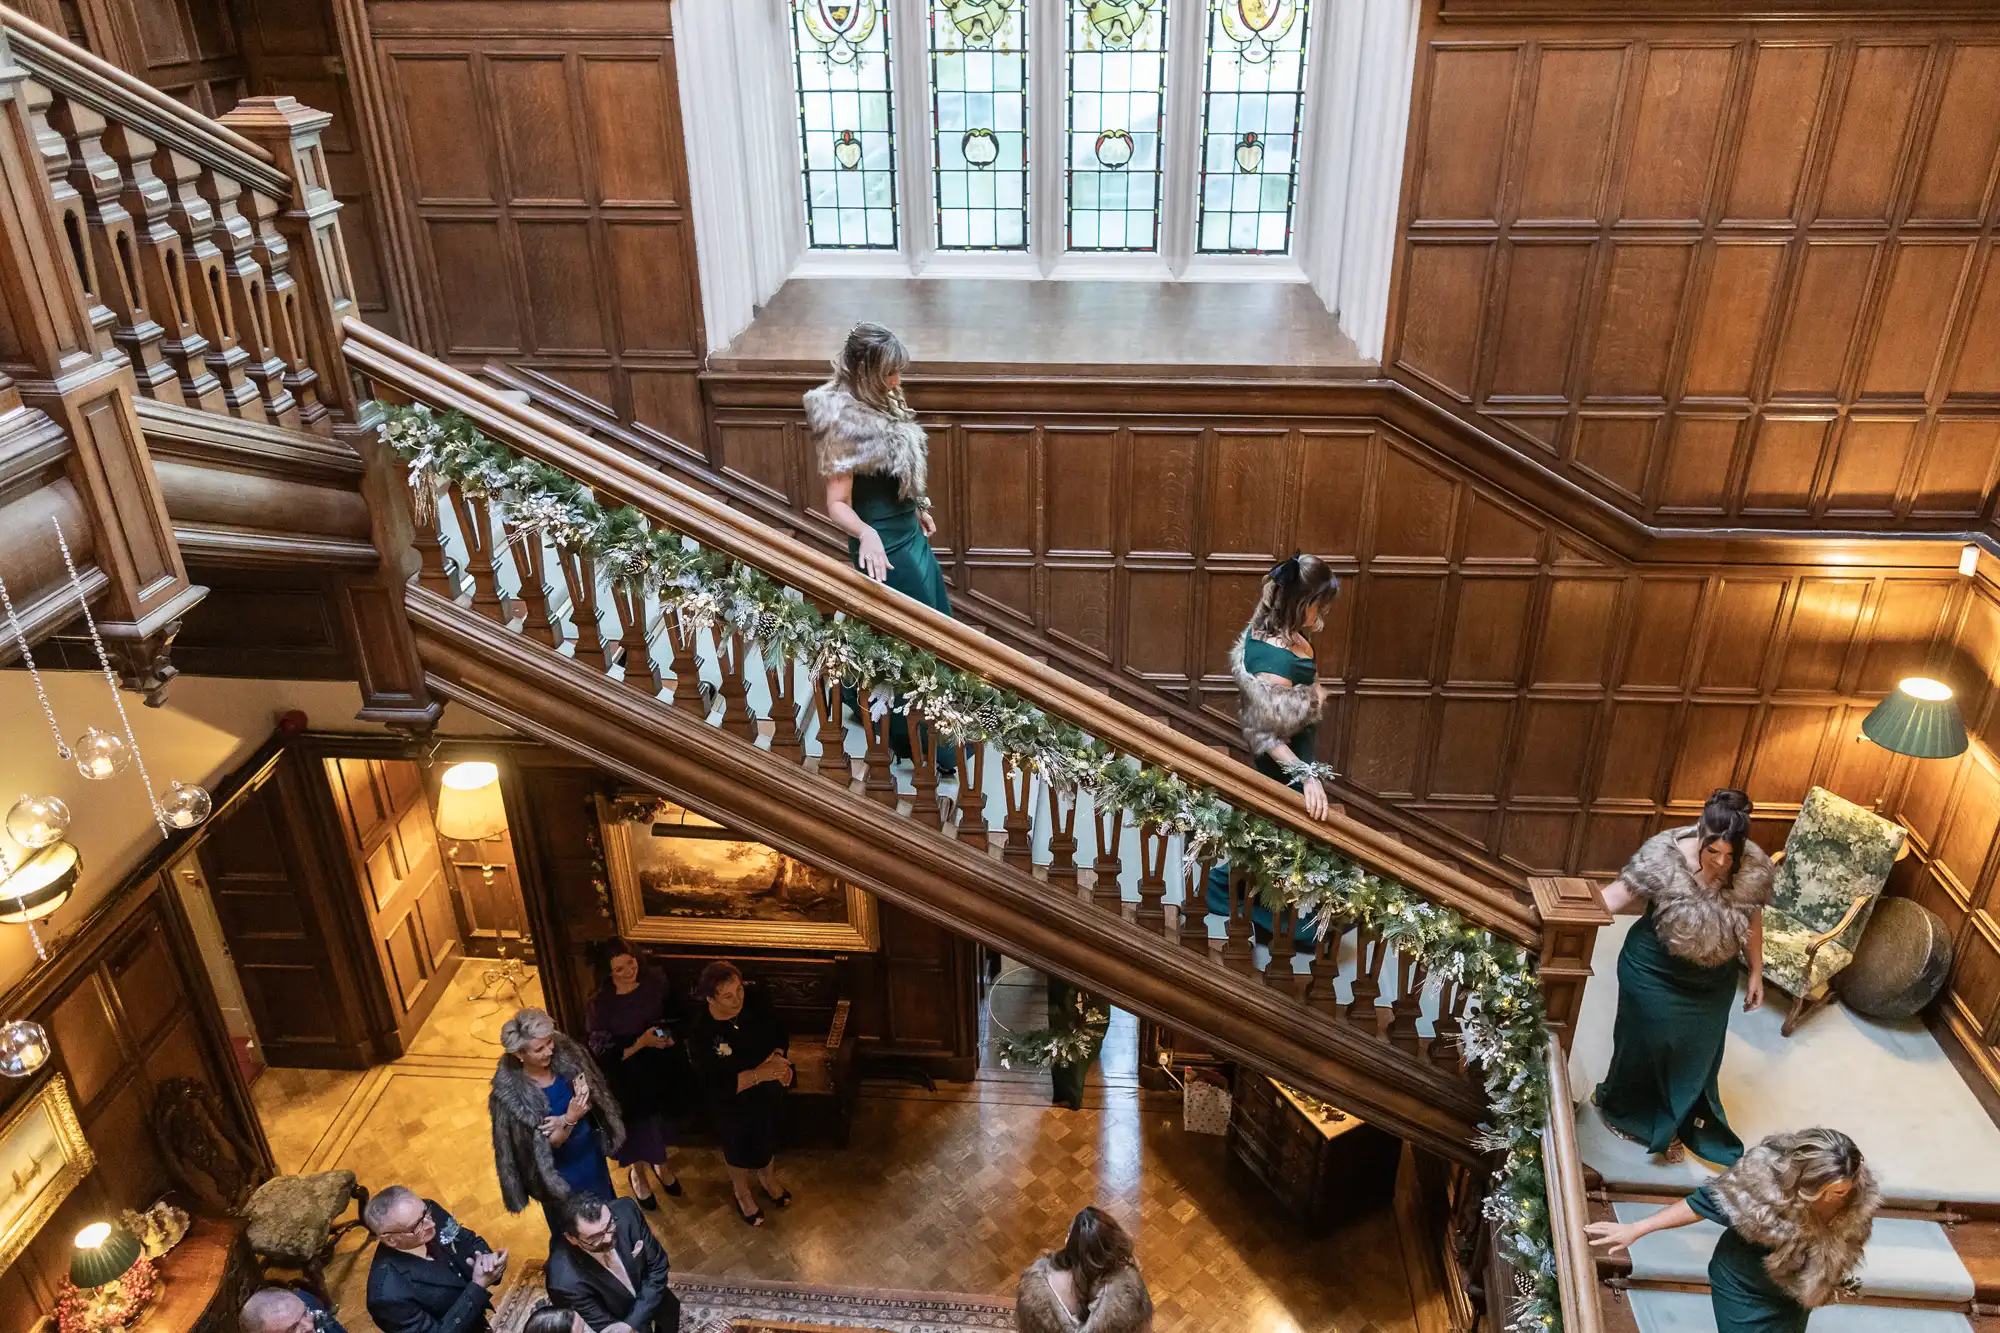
(1280,699)
(876,462)
(1797,1211)
(1702,889)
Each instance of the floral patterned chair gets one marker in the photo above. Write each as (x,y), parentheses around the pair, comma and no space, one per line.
(1832,870)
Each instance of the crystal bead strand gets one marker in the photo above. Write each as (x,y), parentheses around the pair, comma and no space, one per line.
(63,751)
(111,678)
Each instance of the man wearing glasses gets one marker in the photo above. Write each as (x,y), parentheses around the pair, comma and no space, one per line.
(429,1275)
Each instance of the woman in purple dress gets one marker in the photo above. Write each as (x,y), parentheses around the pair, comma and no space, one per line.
(631,1033)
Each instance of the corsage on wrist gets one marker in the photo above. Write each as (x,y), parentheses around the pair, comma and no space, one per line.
(1301,770)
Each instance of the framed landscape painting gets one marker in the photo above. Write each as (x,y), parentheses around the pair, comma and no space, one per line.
(679,878)
(43,1156)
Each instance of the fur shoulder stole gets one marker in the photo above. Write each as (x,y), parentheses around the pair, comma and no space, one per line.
(1694,923)
(850,436)
(522,1157)
(1810,1257)
(1270,714)
(1121,1305)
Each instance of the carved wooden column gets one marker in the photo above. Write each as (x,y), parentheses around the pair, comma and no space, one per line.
(247,290)
(1572,912)
(99,183)
(158,276)
(58,367)
(309,220)
(186,217)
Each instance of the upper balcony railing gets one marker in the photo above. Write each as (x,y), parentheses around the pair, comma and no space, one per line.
(208,252)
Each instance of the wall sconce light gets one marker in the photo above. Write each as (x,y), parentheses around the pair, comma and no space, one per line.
(1968,560)
(1919,718)
(469,805)
(24,1048)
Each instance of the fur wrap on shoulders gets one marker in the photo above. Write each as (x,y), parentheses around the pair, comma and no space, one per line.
(1270,714)
(1811,1258)
(1703,927)
(522,1156)
(1121,1305)
(850,436)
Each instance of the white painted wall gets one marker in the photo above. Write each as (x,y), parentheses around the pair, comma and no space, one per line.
(208,727)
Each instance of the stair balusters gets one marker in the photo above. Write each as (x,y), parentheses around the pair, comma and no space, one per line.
(1017,785)
(786,739)
(1106,864)
(635,636)
(1152,913)
(1194,906)
(1062,838)
(475,526)
(733,651)
(973,827)
(833,763)
(925,807)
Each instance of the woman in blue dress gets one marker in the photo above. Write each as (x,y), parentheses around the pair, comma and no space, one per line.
(554,1118)
(1280,698)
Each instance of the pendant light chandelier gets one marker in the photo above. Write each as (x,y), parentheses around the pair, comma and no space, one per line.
(36,887)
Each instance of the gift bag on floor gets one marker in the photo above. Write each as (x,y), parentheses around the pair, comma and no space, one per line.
(1205,1102)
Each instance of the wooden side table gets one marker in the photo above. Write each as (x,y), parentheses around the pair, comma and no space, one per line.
(204,1280)
(1323,1170)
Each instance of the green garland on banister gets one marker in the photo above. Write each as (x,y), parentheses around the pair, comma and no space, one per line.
(1502,1028)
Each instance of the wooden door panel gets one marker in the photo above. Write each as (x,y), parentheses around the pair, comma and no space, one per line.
(274,899)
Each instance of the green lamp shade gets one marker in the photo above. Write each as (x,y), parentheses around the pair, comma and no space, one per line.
(1920,719)
(104,1253)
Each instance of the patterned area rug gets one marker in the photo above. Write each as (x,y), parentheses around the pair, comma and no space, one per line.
(730,1305)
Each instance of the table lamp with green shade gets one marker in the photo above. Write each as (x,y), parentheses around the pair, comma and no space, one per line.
(1919,718)
(104,1253)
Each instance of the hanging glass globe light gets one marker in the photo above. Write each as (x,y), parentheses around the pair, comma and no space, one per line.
(24,1048)
(37,821)
(99,754)
(184,805)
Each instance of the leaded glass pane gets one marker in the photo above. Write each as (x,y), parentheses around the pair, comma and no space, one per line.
(1252,99)
(846,122)
(1116,85)
(979,118)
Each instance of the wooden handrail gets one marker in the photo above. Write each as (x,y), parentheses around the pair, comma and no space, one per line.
(840,585)
(1562,1171)
(77,74)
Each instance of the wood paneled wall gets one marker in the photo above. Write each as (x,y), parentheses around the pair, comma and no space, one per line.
(126,1006)
(1525,694)
(1952,808)
(1718,271)
(534,151)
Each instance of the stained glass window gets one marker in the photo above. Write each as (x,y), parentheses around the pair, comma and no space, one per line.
(1117,82)
(979,118)
(846,119)
(1252,98)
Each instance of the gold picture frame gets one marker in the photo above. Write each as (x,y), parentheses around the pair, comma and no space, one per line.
(43,1158)
(693,881)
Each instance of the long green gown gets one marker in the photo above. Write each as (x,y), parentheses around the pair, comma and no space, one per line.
(1666,1049)
(913,571)
(1267,659)
(1746,1299)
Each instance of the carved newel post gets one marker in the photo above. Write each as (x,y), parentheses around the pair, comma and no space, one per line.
(1572,912)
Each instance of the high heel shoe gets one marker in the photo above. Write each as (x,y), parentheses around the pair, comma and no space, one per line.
(647,1201)
(782,1198)
(673,1188)
(755,1219)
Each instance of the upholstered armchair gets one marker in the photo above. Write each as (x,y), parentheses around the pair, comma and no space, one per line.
(1830,873)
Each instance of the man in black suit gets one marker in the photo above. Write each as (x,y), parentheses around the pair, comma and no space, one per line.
(283,1310)
(609,1267)
(429,1275)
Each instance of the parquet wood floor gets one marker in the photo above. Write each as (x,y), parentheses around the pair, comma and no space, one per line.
(956,1190)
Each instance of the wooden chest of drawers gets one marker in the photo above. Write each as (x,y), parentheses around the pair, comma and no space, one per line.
(1323,1171)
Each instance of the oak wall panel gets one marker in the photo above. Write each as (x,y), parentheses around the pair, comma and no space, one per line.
(1718,269)
(536,161)
(1522,697)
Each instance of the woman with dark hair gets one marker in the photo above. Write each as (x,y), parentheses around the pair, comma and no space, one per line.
(1702,889)
(876,461)
(1090,1285)
(1279,697)
(738,1049)
(553,1117)
(1798,1209)
(631,1034)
